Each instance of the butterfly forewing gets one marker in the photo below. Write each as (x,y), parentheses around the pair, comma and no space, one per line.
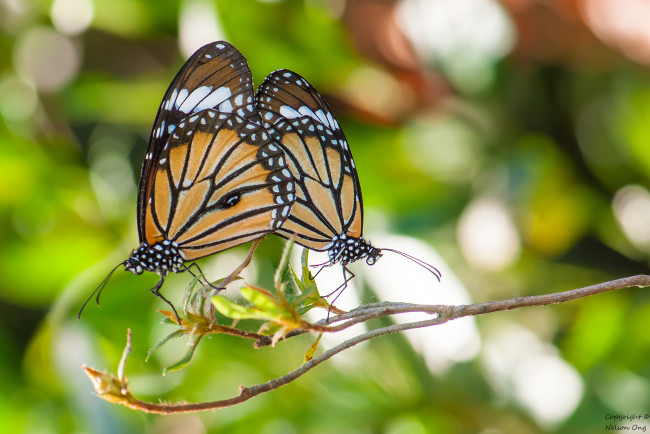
(328,195)
(216,77)
(220,181)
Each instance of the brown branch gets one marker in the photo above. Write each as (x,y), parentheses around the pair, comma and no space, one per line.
(377,310)
(115,389)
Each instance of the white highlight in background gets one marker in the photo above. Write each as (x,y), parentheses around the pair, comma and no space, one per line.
(198,24)
(487,235)
(46,58)
(72,17)
(465,37)
(395,278)
(631,206)
(521,367)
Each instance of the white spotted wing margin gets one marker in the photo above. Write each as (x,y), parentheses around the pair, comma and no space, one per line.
(328,195)
(215,77)
(221,180)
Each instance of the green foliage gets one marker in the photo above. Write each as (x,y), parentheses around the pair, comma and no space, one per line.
(556,141)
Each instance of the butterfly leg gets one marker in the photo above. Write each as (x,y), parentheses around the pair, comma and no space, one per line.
(340,289)
(156,290)
(201,274)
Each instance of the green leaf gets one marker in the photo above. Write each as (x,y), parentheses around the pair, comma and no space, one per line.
(185,360)
(178,333)
(263,300)
(233,310)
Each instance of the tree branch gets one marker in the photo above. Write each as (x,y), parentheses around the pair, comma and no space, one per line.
(115,389)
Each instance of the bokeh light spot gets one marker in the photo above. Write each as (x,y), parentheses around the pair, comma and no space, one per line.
(198,24)
(72,17)
(631,207)
(19,100)
(46,58)
(464,36)
(487,235)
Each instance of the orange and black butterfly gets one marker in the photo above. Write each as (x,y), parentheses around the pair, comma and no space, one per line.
(328,211)
(213,177)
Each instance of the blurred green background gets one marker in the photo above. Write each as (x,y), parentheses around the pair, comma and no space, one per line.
(513,137)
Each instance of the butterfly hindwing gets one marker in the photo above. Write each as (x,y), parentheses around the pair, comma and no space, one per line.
(328,194)
(216,77)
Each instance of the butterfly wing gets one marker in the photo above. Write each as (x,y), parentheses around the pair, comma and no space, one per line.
(215,77)
(220,181)
(328,195)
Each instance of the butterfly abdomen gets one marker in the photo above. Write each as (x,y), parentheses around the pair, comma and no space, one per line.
(161,258)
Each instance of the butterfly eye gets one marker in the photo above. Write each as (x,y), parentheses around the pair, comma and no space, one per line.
(229,200)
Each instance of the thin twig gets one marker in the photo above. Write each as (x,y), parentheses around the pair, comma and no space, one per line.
(114,390)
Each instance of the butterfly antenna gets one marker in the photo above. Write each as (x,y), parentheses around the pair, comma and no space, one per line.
(430,268)
(99,289)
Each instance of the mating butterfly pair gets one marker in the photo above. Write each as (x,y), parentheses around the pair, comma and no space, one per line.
(226,166)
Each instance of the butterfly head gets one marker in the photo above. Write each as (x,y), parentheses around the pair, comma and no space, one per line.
(162,258)
(373,254)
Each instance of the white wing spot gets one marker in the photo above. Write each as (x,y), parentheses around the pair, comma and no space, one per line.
(332,121)
(170,102)
(216,97)
(181,97)
(289,112)
(225,107)
(322,117)
(192,101)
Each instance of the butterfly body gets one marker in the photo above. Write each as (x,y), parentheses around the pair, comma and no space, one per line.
(161,258)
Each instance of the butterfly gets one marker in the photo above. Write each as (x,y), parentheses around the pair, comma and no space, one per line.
(327,214)
(213,177)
